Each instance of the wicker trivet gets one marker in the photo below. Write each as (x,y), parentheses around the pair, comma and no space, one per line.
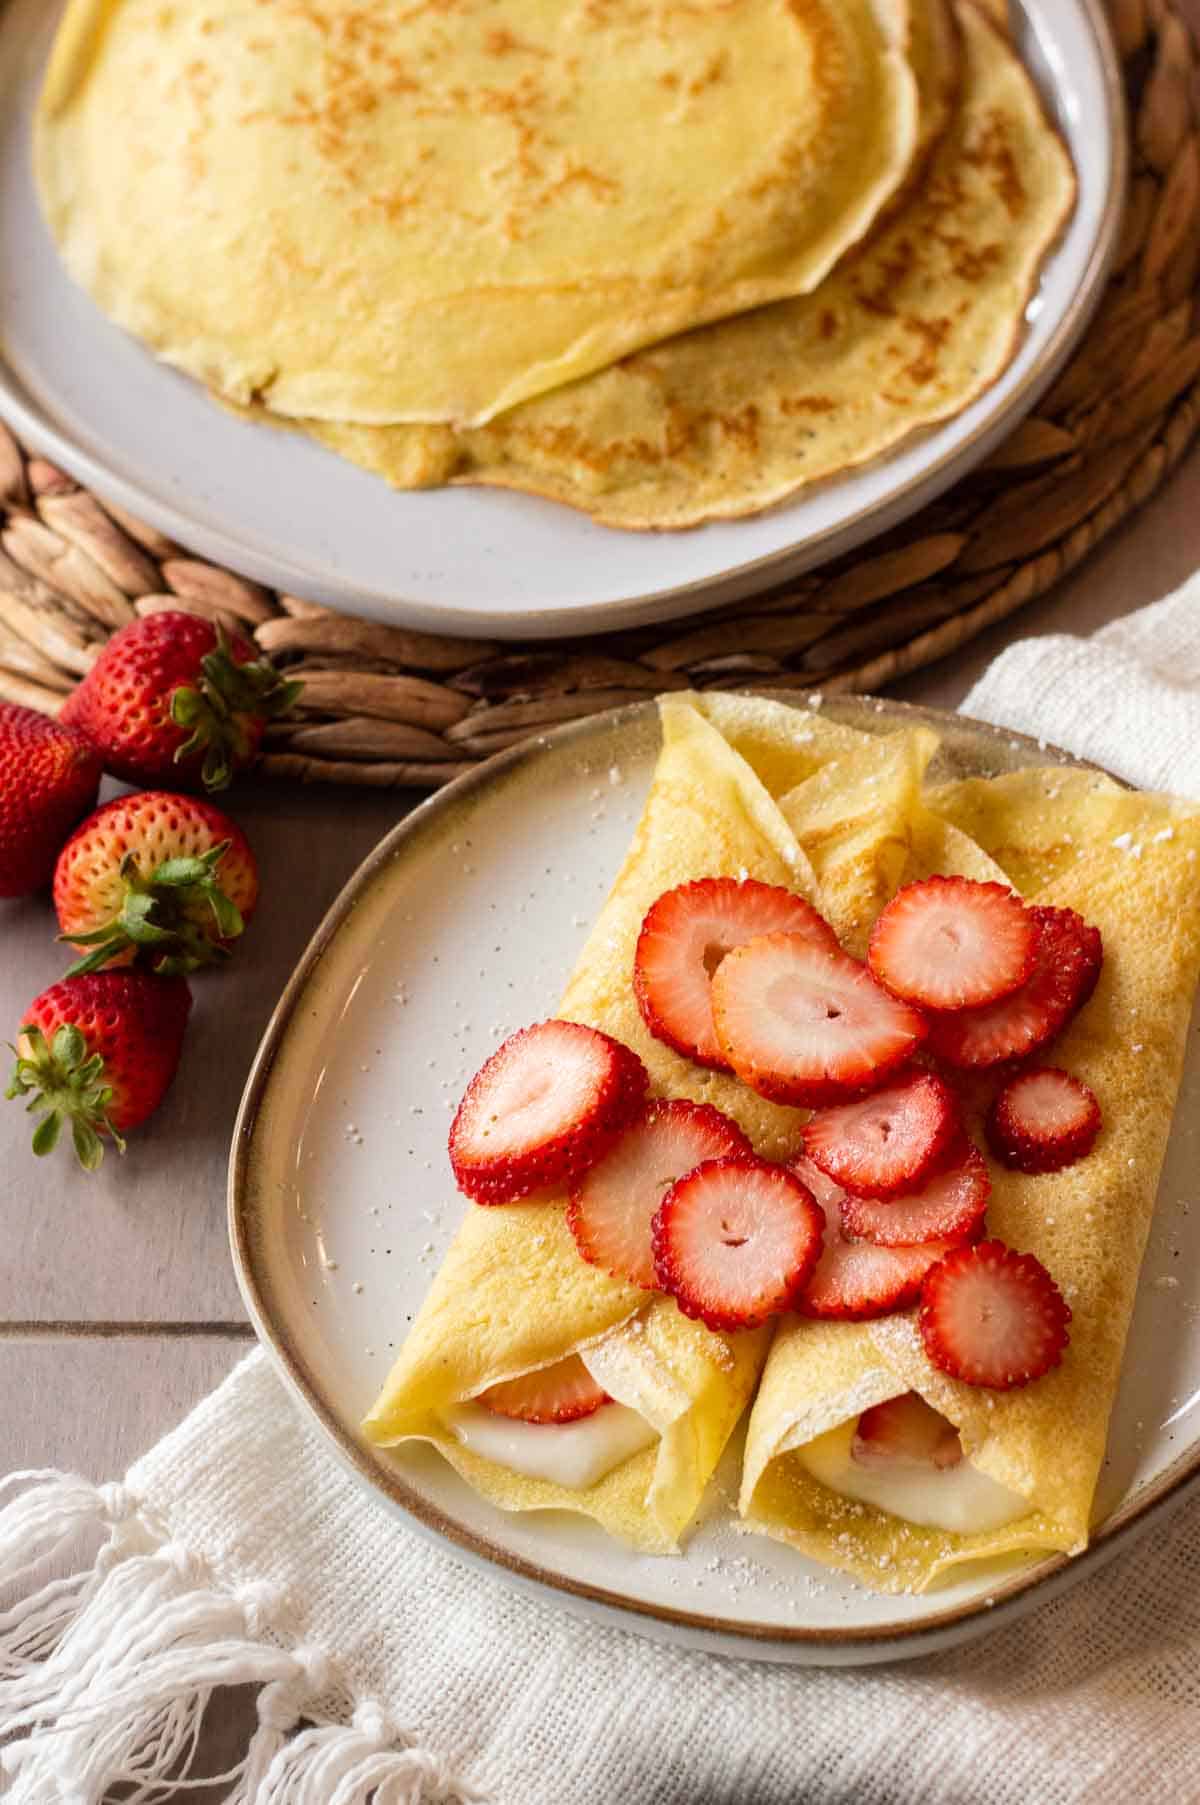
(384,706)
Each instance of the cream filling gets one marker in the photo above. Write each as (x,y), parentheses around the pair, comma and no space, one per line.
(574,1455)
(958,1498)
(648,1403)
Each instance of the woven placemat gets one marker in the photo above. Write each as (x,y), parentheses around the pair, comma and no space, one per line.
(384,706)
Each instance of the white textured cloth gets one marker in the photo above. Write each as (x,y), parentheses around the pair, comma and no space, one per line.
(242,1553)
(1128,698)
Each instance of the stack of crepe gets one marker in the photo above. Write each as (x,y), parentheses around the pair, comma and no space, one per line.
(666,264)
(750,787)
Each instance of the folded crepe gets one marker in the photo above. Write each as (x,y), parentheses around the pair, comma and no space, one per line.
(737,416)
(381,213)
(1127,862)
(513,1295)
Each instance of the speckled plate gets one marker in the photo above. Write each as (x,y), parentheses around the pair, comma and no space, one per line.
(461,927)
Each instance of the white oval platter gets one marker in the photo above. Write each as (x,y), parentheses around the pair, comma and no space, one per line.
(460,928)
(475,561)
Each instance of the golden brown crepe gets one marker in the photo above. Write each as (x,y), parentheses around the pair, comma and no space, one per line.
(513,1294)
(372,213)
(1127,863)
(734,418)
(754,787)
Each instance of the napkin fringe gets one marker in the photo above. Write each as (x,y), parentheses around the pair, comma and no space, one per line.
(107,1671)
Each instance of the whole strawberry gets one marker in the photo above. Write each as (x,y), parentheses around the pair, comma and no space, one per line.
(171,699)
(97,1053)
(165,877)
(49,776)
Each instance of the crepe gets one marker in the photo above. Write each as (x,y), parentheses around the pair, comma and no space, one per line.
(370,213)
(731,419)
(513,1294)
(746,786)
(1127,863)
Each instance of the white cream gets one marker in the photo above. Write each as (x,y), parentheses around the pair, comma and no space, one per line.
(574,1455)
(959,1498)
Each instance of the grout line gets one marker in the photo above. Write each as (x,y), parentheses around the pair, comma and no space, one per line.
(115,1331)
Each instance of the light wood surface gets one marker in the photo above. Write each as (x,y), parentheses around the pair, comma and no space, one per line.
(118,1305)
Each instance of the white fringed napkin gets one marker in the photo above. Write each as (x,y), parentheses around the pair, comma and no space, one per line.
(237,1552)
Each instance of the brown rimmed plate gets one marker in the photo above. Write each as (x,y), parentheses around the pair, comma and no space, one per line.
(460,927)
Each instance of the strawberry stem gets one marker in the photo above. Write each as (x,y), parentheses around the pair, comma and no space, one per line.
(162,917)
(217,709)
(65,1083)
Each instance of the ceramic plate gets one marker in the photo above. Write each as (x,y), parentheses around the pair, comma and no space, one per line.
(473,560)
(460,928)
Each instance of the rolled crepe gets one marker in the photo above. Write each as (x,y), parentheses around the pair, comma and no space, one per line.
(1128,864)
(513,1295)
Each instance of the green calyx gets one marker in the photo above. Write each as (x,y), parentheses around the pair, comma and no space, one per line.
(65,1083)
(162,917)
(217,711)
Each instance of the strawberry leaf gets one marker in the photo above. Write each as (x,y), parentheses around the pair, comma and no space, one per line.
(97,960)
(136,921)
(216,772)
(89,1148)
(226,913)
(69,1046)
(45,1135)
(65,1083)
(177,873)
(187,707)
(158,916)
(224,709)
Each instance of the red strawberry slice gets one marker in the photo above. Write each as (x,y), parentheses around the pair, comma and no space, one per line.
(906,1432)
(685,936)
(613,1205)
(853,1279)
(561,1393)
(548,1104)
(949,1206)
(885,1144)
(801,1023)
(952,943)
(1043,1120)
(736,1240)
(1065,971)
(992,1317)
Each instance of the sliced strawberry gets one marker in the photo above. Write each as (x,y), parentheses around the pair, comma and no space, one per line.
(952,943)
(613,1205)
(1043,1120)
(802,1023)
(736,1240)
(685,936)
(854,1279)
(885,1144)
(548,1104)
(949,1206)
(906,1432)
(561,1393)
(1065,970)
(992,1317)
(828,1193)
